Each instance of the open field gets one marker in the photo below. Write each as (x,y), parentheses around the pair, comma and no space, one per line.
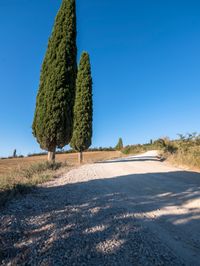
(19,175)
(8,165)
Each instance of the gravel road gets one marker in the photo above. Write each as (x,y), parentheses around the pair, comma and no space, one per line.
(129,211)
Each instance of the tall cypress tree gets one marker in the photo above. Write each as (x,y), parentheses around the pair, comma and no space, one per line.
(83,112)
(53,119)
(119,145)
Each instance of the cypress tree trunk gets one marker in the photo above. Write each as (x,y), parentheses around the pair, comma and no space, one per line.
(52,156)
(80,157)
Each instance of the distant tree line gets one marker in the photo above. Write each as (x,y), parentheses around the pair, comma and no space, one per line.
(73,151)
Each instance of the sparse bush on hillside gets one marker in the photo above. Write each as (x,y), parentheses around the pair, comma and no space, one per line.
(167,145)
(183,151)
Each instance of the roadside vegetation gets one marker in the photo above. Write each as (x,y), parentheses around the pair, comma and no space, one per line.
(140,148)
(184,151)
(23,179)
(19,175)
(93,155)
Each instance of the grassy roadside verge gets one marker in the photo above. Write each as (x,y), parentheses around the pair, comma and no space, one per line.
(183,159)
(8,165)
(182,153)
(19,176)
(24,179)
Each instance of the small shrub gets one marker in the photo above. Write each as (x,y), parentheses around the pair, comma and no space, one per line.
(168,146)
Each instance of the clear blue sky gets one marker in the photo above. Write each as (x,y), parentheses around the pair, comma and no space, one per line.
(145,61)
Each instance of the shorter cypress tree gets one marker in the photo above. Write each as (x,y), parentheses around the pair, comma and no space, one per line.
(83,109)
(119,145)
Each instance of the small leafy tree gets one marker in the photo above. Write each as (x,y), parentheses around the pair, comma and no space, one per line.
(53,119)
(119,145)
(83,111)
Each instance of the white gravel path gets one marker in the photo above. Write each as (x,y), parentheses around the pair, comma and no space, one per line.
(130,211)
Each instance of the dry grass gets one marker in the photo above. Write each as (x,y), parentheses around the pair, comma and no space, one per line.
(19,175)
(186,159)
(21,180)
(8,165)
(183,152)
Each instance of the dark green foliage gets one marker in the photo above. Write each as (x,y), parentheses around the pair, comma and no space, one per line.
(82,132)
(53,120)
(119,145)
(14,153)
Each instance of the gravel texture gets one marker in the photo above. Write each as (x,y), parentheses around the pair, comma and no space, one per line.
(133,211)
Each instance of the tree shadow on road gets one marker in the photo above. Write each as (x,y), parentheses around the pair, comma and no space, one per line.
(104,221)
(133,159)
